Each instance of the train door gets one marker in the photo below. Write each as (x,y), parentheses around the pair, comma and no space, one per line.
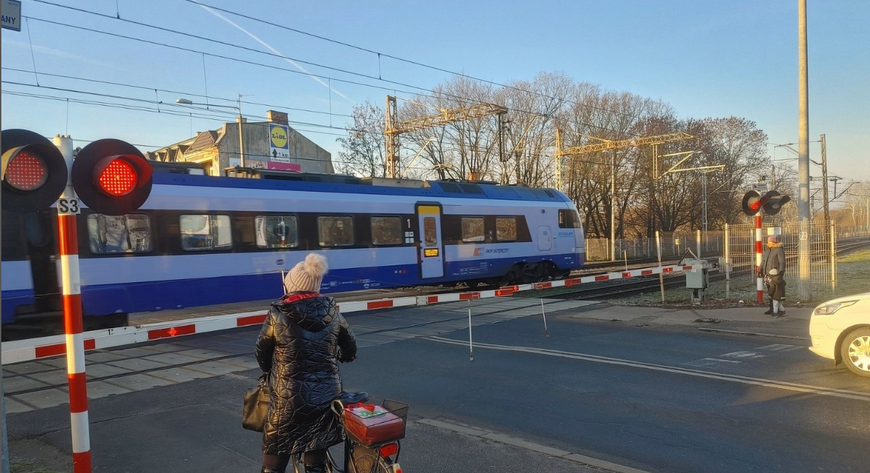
(545,238)
(431,248)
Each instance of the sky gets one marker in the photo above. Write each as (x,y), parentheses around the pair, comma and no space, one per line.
(62,74)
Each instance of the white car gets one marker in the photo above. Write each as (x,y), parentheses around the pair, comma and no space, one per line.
(840,331)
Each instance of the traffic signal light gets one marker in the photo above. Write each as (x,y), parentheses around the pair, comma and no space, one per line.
(771,202)
(34,171)
(111,177)
(751,203)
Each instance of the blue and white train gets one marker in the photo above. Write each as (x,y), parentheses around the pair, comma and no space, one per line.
(201,240)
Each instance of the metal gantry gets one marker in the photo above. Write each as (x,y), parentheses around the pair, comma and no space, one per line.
(393,127)
(604,145)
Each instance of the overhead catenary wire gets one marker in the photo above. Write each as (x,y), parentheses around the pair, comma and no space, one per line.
(418,90)
(323,38)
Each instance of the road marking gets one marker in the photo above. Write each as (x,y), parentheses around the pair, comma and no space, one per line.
(780,347)
(768,383)
(520,443)
(742,355)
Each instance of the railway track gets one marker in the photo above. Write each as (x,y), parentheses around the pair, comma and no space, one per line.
(602,290)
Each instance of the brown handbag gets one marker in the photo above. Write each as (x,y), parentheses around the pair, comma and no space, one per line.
(256,405)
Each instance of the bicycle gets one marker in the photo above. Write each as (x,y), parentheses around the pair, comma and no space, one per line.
(365,452)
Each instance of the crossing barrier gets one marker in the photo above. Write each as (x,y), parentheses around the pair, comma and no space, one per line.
(45,347)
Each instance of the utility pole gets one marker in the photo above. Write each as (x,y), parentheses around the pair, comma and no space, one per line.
(805,284)
(825,184)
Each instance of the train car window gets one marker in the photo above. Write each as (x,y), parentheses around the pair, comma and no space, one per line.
(335,231)
(569,219)
(430,231)
(276,231)
(205,232)
(386,230)
(506,228)
(109,234)
(472,229)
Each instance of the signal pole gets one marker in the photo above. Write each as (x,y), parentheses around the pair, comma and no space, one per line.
(804,286)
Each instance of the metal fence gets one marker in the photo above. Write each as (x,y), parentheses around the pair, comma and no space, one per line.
(822,241)
(674,245)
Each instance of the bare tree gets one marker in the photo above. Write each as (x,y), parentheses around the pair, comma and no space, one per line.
(363,151)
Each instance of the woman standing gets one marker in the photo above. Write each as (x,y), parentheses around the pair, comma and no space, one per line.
(302,340)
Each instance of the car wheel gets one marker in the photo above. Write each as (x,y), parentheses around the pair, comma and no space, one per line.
(855,350)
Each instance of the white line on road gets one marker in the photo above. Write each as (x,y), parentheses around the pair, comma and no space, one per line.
(769,383)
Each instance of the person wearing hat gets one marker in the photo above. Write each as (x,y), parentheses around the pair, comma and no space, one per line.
(773,258)
(302,340)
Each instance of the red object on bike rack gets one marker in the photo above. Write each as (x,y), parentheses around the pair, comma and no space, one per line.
(380,428)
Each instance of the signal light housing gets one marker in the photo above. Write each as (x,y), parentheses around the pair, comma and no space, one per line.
(111,177)
(771,202)
(34,171)
(775,202)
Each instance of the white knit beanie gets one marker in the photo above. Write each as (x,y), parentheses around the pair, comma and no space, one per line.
(307,275)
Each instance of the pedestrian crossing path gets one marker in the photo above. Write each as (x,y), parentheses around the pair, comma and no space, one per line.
(41,384)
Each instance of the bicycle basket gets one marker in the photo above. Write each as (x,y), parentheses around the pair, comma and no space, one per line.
(371,424)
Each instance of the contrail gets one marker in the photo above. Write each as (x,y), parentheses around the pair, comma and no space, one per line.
(297,66)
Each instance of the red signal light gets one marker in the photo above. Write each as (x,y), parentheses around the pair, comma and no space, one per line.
(111,177)
(118,178)
(34,173)
(26,171)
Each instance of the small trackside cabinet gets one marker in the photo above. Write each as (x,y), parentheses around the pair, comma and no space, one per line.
(696,279)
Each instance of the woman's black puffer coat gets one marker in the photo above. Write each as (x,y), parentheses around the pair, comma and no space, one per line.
(302,340)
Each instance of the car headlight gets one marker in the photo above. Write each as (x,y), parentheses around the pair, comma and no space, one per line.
(829,309)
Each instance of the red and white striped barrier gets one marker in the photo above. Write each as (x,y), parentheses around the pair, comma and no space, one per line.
(38,348)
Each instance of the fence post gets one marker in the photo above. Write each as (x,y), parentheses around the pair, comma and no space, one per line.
(727,245)
(833,260)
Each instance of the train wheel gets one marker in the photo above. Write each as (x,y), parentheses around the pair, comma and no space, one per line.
(511,277)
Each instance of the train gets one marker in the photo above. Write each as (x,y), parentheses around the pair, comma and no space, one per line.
(202,240)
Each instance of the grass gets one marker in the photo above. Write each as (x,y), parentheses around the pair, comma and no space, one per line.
(853,277)
(28,467)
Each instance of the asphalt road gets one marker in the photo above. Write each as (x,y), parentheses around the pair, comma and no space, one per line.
(655,398)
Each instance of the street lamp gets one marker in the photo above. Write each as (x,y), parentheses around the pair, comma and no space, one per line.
(184,101)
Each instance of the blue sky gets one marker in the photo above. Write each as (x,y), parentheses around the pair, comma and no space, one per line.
(705,58)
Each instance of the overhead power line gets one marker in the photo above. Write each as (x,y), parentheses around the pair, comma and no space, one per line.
(336,69)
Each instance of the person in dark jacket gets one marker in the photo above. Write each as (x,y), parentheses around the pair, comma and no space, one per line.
(776,291)
(302,340)
(772,258)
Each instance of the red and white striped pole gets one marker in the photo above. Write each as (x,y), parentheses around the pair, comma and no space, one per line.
(68,208)
(759,282)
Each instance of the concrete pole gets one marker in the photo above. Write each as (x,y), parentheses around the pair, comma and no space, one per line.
(805,284)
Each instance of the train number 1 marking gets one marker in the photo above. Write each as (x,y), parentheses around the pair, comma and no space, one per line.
(68,207)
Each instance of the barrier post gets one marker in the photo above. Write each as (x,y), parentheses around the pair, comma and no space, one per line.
(759,281)
(470,343)
(67,210)
(661,273)
(544,316)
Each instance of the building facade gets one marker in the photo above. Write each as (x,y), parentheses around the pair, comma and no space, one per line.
(272,144)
